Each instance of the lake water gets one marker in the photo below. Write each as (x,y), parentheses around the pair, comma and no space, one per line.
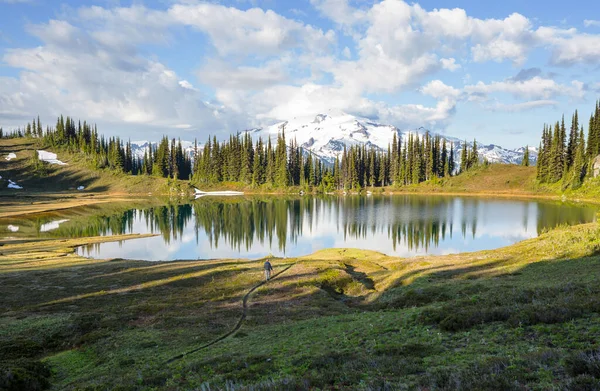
(252,227)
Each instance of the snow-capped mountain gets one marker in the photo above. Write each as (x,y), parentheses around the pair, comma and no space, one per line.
(326,134)
(139,148)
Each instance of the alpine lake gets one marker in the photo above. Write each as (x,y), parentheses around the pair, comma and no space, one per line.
(254,227)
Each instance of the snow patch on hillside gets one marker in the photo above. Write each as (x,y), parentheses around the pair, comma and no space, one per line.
(50,157)
(13,185)
(52,225)
(11,156)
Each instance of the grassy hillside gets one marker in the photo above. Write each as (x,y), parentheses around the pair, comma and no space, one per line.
(505,180)
(495,178)
(48,178)
(521,317)
(502,178)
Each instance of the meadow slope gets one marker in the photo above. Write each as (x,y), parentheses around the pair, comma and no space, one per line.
(520,317)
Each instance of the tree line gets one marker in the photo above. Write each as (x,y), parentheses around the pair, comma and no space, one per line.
(276,164)
(166,159)
(259,163)
(566,156)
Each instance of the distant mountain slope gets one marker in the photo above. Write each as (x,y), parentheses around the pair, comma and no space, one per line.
(139,148)
(326,134)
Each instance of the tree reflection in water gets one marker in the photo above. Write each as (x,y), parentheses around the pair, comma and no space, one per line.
(413,223)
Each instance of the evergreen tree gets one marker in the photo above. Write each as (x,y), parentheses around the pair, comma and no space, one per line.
(258,166)
(474,156)
(40,132)
(525,161)
(464,157)
(451,161)
(572,146)
(281,163)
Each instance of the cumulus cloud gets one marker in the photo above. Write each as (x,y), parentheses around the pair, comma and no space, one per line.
(253,31)
(72,73)
(570,47)
(339,11)
(439,90)
(450,64)
(260,66)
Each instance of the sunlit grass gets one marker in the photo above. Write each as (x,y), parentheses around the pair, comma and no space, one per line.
(521,317)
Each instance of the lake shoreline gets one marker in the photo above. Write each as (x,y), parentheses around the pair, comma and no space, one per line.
(13,206)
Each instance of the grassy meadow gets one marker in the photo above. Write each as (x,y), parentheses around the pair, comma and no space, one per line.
(521,317)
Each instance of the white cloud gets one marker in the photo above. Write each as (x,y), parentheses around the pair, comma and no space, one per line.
(311,98)
(450,64)
(223,75)
(254,31)
(591,23)
(534,88)
(187,85)
(75,74)
(439,90)
(339,11)
(262,66)
(122,27)
(570,47)
(346,52)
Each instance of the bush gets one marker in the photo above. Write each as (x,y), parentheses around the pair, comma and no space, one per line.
(494,373)
(24,375)
(584,363)
(583,383)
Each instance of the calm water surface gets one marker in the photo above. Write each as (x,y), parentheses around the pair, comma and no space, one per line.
(251,227)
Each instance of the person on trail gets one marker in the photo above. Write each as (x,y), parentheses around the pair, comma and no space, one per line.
(268,270)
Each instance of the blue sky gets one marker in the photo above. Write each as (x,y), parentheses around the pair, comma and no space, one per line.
(495,71)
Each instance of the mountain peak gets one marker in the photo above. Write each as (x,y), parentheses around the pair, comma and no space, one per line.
(326,133)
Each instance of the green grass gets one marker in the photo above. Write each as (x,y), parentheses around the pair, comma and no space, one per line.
(504,179)
(39,178)
(521,317)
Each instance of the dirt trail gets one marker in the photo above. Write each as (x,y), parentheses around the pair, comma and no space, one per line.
(239,322)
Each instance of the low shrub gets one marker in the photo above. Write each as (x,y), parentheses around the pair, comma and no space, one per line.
(24,374)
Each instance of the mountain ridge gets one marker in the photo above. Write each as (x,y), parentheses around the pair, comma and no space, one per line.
(326,134)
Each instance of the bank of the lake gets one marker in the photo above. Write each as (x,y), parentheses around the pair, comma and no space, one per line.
(258,226)
(519,317)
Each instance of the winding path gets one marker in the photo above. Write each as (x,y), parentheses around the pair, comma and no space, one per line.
(237,325)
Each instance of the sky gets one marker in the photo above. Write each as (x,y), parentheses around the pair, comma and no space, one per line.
(495,71)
